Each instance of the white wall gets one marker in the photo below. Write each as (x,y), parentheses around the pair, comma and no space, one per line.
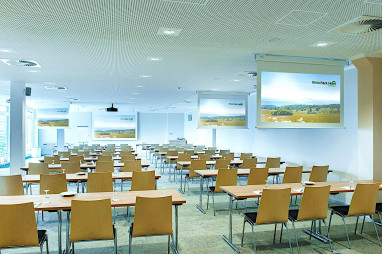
(336,147)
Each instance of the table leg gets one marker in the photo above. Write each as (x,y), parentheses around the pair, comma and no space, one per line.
(67,232)
(316,233)
(181,177)
(59,231)
(176,226)
(200,206)
(229,239)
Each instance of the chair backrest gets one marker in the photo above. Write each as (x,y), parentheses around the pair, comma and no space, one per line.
(64,154)
(130,157)
(11,185)
(197,165)
(249,163)
(104,166)
(36,168)
(131,166)
(184,157)
(91,220)
(126,153)
(143,180)
(147,208)
(211,152)
(109,153)
(199,149)
(257,176)
(245,156)
(105,158)
(204,156)
(126,149)
(364,199)
(55,183)
(212,148)
(274,206)
(230,156)
(273,162)
(71,167)
(172,153)
(226,177)
(292,175)
(314,203)
(100,182)
(222,163)
(221,152)
(77,158)
(319,174)
(189,151)
(18,225)
(73,150)
(84,153)
(180,149)
(51,159)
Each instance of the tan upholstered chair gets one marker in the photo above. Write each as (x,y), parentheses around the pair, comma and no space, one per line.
(55,183)
(147,208)
(195,165)
(126,153)
(273,162)
(143,180)
(92,220)
(77,158)
(104,166)
(64,154)
(210,152)
(70,167)
(363,203)
(18,227)
(249,163)
(189,151)
(105,158)
(221,152)
(11,185)
(183,157)
(245,156)
(222,163)
(52,159)
(226,177)
(100,182)
(229,156)
(131,165)
(204,156)
(292,175)
(314,206)
(85,154)
(257,176)
(130,157)
(36,168)
(319,174)
(273,208)
(107,153)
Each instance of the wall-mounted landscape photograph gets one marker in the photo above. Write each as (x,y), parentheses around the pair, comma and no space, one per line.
(300,98)
(114,127)
(53,117)
(222,113)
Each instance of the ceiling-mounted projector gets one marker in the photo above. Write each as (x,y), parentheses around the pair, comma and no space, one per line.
(112,109)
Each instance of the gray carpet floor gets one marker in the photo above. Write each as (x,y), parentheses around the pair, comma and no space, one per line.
(202,233)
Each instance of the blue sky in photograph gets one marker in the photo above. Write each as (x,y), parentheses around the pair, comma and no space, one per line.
(114,122)
(53,113)
(221,107)
(281,88)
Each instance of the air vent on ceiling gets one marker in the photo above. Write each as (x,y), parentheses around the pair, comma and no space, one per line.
(363,25)
(199,2)
(23,63)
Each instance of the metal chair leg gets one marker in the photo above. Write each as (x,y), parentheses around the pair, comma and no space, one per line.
(346,231)
(290,245)
(281,232)
(330,220)
(115,241)
(168,245)
(295,236)
(311,230)
(213,203)
(242,236)
(254,242)
(208,197)
(363,223)
(376,231)
(130,241)
(327,233)
(356,225)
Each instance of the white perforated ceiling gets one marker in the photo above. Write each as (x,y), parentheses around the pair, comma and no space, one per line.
(99,49)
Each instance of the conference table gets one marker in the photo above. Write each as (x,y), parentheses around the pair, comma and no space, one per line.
(254,191)
(56,202)
(88,159)
(240,172)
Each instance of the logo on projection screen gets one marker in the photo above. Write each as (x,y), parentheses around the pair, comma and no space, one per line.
(329,84)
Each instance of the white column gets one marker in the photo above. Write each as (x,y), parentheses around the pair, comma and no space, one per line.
(60,140)
(214,137)
(17,126)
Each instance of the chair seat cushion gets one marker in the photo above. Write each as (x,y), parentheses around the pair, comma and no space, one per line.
(41,234)
(378,208)
(342,209)
(251,217)
(293,214)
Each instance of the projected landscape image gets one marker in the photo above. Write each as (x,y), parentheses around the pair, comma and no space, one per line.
(114,127)
(300,98)
(53,117)
(222,112)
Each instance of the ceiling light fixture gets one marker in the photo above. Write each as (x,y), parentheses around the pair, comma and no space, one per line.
(169,32)
(139,86)
(136,93)
(144,76)
(322,44)
(236,80)
(5,50)
(155,58)
(50,87)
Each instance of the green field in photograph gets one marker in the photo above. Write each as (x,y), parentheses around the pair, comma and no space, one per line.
(53,123)
(300,117)
(223,121)
(114,134)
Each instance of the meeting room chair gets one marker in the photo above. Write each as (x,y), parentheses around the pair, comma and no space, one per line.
(37,168)
(64,154)
(73,150)
(292,175)
(126,153)
(54,183)
(130,157)
(363,203)
(100,182)
(211,152)
(68,167)
(313,207)
(221,152)
(105,158)
(130,166)
(319,174)
(206,157)
(245,156)
(225,177)
(230,156)
(18,227)
(222,163)
(195,165)
(108,153)
(77,158)
(11,185)
(257,176)
(189,151)
(104,166)
(171,153)
(273,162)
(92,220)
(85,154)
(150,222)
(273,209)
(52,159)
(249,163)
(143,180)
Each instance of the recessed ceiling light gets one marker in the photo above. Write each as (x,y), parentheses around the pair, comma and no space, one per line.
(236,80)
(169,31)
(154,58)
(145,76)
(322,44)
(215,89)
(136,93)
(139,86)
(50,87)
(5,50)
(74,99)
